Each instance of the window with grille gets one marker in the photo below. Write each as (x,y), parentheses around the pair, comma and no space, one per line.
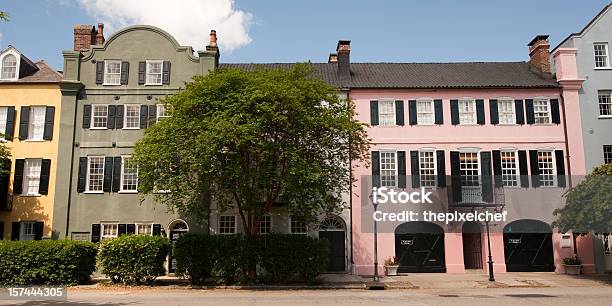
(144,229)
(607,149)
(9,67)
(31,178)
(131,116)
(467,111)
(109,230)
(227,224)
(541,111)
(36,129)
(28,231)
(506,110)
(469,169)
(427,168)
(388,169)
(162,112)
(546,165)
(112,72)
(425,112)
(605,104)
(298,225)
(154,72)
(129,174)
(99,115)
(509,167)
(265,224)
(95,173)
(386,112)
(601,55)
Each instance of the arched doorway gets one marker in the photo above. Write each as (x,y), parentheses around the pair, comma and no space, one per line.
(419,247)
(528,246)
(176,229)
(333,229)
(472,245)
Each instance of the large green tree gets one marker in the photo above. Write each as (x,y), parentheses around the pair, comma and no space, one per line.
(248,140)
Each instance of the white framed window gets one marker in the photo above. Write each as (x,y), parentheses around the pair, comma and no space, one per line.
(131,116)
(506,110)
(546,164)
(467,111)
(9,67)
(162,112)
(95,173)
(36,128)
(602,58)
(112,72)
(99,116)
(427,168)
(509,168)
(386,112)
(27,230)
(425,112)
(607,150)
(265,224)
(31,176)
(388,169)
(109,230)
(605,103)
(129,175)
(227,225)
(3,118)
(469,166)
(154,72)
(298,225)
(541,111)
(144,229)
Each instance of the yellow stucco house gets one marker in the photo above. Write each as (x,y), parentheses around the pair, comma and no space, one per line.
(29,110)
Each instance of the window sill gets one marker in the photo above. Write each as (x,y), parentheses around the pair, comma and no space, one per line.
(107,84)
(469,124)
(93,192)
(602,68)
(34,140)
(424,124)
(128,191)
(134,128)
(153,84)
(34,195)
(605,117)
(508,124)
(98,128)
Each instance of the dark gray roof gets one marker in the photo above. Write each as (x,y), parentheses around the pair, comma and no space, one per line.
(427,75)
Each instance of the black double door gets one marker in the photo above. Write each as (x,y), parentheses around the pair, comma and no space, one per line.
(174,235)
(420,252)
(529,252)
(336,261)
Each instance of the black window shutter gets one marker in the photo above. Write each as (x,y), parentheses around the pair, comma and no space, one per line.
(82,174)
(125,72)
(131,228)
(554,111)
(399,112)
(1,230)
(454,111)
(494,111)
(480,113)
(49,120)
(15,228)
(24,122)
(486,176)
(560,161)
(535,168)
(441,163)
(18,176)
(152,114)
(108,174)
(529,110)
(455,176)
(100,72)
(45,170)
(374,112)
(520,111)
(10,123)
(497,167)
(142,72)
(86,116)
(38,230)
(5,178)
(523,169)
(166,73)
(144,114)
(119,117)
(412,112)
(110,120)
(375,169)
(121,229)
(401,169)
(438,112)
(95,232)
(117,174)
(156,230)
(415,173)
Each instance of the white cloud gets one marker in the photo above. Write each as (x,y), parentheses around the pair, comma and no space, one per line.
(189,21)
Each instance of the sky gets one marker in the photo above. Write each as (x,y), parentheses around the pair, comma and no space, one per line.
(290,31)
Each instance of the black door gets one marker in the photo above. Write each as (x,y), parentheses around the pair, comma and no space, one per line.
(529,252)
(174,235)
(420,252)
(336,262)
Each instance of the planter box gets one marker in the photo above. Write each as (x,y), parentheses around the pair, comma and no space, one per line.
(572,269)
(391,270)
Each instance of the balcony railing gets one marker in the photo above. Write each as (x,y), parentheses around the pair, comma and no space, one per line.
(471,194)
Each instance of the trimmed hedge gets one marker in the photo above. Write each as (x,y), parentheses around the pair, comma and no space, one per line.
(46,262)
(133,259)
(278,258)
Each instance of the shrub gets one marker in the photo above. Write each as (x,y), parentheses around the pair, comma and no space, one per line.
(46,262)
(134,259)
(572,261)
(195,257)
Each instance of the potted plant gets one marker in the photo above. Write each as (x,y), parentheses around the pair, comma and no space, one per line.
(572,265)
(391,265)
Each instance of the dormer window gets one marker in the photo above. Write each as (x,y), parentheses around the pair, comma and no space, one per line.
(9,67)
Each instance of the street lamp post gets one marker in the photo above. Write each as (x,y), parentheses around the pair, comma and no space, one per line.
(376,277)
(491,275)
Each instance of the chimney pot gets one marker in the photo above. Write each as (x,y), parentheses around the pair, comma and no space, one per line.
(213,38)
(539,53)
(333,58)
(100,34)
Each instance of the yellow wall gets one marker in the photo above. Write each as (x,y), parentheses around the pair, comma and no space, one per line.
(32,208)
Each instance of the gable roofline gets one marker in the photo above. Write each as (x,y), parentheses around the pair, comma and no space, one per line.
(21,55)
(585,28)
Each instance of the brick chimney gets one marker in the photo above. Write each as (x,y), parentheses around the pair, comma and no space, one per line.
(539,53)
(86,35)
(344,59)
(333,58)
(212,46)
(100,35)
